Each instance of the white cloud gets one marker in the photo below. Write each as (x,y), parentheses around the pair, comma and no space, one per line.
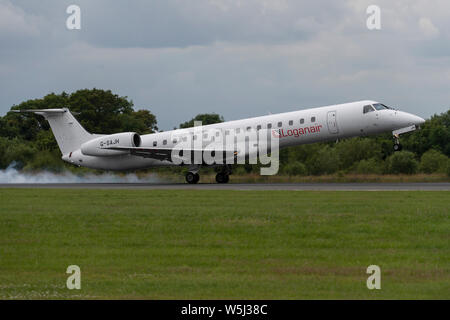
(427,28)
(229,56)
(14,20)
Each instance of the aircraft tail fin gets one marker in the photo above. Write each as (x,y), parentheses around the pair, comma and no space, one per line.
(69,133)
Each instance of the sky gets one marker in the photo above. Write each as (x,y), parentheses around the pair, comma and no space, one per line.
(237,58)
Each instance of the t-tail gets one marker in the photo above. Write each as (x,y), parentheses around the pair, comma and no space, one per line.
(69,133)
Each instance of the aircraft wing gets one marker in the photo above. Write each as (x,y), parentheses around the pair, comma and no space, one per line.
(166,153)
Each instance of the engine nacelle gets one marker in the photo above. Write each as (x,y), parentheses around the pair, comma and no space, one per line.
(97,147)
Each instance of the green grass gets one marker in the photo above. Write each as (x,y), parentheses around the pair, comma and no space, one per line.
(188,244)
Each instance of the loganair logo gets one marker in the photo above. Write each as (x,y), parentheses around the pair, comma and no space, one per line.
(296,132)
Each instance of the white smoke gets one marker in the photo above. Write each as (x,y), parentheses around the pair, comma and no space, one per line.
(12,175)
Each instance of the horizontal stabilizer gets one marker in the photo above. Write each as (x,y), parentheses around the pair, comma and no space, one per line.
(40,111)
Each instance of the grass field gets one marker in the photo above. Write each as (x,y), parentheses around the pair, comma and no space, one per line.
(191,244)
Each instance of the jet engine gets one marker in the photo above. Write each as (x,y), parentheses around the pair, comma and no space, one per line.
(99,146)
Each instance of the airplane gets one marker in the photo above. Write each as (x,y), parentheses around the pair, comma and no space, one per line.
(129,150)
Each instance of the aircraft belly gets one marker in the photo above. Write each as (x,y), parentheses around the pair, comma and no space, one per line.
(126,162)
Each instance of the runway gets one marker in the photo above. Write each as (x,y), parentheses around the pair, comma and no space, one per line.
(245,186)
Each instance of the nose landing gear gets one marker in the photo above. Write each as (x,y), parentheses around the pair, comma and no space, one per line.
(398,147)
(397,144)
(398,132)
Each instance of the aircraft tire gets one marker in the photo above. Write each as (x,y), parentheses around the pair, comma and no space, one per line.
(397,147)
(222,178)
(192,178)
(197,177)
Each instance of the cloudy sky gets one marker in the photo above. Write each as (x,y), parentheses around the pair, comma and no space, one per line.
(238,58)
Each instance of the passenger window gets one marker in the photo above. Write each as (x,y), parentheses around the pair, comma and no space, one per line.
(248,128)
(269,125)
(164,142)
(174,141)
(313,119)
(279,124)
(205,136)
(302,121)
(367,109)
(227,132)
(258,127)
(194,137)
(217,133)
(238,130)
(291,122)
(184,139)
(154,143)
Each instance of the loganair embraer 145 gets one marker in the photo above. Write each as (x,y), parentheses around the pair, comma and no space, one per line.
(223,142)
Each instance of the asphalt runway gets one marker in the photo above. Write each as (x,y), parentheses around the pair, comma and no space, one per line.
(244,186)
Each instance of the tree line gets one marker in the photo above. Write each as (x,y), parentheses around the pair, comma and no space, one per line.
(26,141)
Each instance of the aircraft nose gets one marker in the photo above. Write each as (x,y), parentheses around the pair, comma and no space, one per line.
(409,119)
(420,121)
(416,119)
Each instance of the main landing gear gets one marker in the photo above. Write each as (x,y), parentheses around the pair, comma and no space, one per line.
(192,177)
(222,176)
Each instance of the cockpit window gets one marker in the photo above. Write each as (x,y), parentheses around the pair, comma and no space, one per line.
(368,108)
(380,106)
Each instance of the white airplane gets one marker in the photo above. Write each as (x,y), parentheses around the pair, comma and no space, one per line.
(129,150)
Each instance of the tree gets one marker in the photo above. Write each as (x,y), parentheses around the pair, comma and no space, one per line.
(205,118)
(351,151)
(294,169)
(30,140)
(102,111)
(325,161)
(98,111)
(402,162)
(369,166)
(433,161)
(434,134)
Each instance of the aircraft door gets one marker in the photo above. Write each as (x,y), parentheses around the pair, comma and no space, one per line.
(332,123)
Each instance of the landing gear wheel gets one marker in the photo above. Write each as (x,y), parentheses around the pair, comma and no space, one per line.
(397,147)
(192,178)
(222,177)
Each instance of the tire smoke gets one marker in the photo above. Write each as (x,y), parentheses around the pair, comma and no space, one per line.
(12,175)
